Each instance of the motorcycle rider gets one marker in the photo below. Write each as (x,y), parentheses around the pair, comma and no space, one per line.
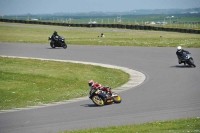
(55,36)
(96,85)
(179,54)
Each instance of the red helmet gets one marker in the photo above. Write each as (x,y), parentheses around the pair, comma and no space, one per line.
(90,82)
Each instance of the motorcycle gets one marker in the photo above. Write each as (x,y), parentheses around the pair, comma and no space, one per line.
(187,59)
(100,98)
(59,43)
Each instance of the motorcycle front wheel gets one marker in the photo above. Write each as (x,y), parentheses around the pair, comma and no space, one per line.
(98,100)
(52,45)
(117,99)
(191,63)
(64,45)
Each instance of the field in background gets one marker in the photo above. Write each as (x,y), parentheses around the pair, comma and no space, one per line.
(30,33)
(187,21)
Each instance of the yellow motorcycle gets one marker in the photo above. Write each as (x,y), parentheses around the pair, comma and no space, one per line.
(100,97)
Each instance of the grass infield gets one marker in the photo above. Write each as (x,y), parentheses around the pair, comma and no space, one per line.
(30,82)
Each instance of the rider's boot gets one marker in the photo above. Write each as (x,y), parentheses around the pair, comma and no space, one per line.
(179,61)
(108,96)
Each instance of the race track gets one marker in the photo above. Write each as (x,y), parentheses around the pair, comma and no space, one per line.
(170,91)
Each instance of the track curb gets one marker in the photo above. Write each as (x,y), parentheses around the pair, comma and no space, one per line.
(136,79)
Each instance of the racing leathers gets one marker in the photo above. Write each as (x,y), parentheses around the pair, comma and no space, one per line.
(179,54)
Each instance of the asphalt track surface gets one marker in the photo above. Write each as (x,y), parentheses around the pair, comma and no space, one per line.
(170,91)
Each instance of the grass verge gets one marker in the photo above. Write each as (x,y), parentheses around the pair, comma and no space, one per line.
(32,82)
(190,125)
(26,33)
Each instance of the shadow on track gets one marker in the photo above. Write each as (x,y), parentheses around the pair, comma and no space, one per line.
(93,105)
(90,105)
(54,48)
(181,66)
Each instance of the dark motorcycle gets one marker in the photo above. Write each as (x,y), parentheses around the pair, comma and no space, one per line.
(59,43)
(187,59)
(100,98)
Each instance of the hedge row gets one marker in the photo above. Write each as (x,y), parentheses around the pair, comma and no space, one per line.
(134,27)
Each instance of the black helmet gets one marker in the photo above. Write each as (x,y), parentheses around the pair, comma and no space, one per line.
(55,33)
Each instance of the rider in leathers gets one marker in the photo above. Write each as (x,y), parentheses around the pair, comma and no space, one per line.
(179,54)
(96,85)
(54,36)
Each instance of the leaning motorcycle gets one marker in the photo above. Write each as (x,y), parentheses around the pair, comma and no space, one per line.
(59,43)
(187,59)
(100,98)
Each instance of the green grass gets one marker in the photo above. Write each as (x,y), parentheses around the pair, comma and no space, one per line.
(31,82)
(190,125)
(25,33)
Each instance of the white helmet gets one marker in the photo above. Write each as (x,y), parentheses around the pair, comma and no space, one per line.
(179,48)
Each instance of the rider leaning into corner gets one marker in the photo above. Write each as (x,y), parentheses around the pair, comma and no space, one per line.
(96,85)
(179,54)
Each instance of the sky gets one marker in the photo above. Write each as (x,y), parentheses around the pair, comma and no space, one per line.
(17,7)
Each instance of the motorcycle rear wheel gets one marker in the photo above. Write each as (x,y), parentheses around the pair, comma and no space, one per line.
(98,100)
